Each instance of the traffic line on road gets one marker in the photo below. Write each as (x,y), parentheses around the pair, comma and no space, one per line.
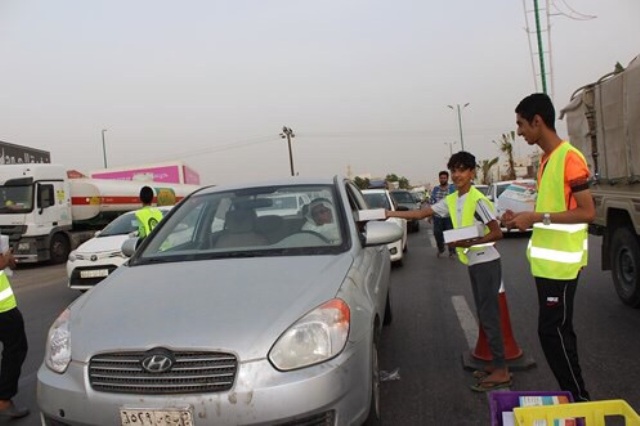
(466,318)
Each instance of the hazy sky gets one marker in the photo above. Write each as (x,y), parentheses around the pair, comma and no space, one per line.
(363,84)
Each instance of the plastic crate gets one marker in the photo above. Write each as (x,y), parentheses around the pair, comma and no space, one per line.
(594,413)
(500,401)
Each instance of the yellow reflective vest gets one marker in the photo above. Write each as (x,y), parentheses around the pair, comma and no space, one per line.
(556,251)
(7,299)
(148,217)
(468,213)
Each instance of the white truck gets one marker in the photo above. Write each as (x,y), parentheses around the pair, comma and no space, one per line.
(603,120)
(46,215)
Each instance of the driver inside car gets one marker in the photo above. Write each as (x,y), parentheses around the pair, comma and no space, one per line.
(321,219)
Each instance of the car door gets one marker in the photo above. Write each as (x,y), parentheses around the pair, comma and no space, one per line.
(372,263)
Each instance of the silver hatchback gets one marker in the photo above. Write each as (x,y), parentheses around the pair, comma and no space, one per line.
(251,319)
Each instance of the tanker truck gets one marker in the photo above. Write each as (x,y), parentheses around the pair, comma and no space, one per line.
(46,215)
(603,121)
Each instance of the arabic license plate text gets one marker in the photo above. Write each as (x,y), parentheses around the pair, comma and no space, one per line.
(94,273)
(169,417)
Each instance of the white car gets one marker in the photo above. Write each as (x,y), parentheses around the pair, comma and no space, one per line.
(96,258)
(381,198)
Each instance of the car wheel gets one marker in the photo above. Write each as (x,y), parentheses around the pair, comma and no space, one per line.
(373,419)
(388,315)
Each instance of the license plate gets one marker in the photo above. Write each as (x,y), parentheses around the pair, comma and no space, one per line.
(94,273)
(144,417)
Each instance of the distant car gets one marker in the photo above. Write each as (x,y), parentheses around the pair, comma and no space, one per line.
(98,257)
(406,199)
(381,198)
(259,323)
(495,193)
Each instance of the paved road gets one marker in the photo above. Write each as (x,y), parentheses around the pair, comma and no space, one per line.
(433,327)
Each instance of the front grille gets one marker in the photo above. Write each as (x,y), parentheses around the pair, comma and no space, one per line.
(192,372)
(322,419)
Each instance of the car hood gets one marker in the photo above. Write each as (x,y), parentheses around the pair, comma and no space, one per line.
(235,305)
(102,244)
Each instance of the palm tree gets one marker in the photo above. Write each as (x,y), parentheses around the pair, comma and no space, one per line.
(485,167)
(506,147)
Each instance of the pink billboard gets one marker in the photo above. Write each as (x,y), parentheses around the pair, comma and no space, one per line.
(168,174)
(191,176)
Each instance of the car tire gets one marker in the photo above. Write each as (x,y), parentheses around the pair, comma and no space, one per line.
(374,418)
(625,266)
(388,314)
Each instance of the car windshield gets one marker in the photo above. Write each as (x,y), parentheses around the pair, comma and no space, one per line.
(123,225)
(16,198)
(403,197)
(377,200)
(250,222)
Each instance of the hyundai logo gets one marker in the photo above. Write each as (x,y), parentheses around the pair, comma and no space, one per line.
(94,257)
(158,361)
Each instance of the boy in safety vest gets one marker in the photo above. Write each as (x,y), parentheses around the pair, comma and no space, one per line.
(14,343)
(469,207)
(557,250)
(148,217)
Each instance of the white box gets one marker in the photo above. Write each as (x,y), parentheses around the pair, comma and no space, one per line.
(518,197)
(4,243)
(371,214)
(464,233)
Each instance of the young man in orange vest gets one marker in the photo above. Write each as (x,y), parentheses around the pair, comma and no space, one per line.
(557,250)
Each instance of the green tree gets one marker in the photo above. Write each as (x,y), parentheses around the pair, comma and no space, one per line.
(362,183)
(402,181)
(485,167)
(506,147)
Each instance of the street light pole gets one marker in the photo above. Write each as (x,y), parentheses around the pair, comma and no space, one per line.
(287,133)
(460,121)
(104,149)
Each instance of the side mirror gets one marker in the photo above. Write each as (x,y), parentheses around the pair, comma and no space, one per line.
(129,246)
(379,233)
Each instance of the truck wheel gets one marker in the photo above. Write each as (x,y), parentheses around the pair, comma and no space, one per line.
(59,249)
(625,266)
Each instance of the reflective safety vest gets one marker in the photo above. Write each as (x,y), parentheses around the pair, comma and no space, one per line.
(556,251)
(468,218)
(7,299)
(148,218)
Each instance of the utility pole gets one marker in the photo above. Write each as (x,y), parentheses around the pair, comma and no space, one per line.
(287,133)
(543,74)
(104,149)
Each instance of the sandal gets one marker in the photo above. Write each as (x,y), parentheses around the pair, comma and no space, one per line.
(489,385)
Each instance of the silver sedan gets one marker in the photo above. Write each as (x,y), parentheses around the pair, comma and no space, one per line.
(253,318)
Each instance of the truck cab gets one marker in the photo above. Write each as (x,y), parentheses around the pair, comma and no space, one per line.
(35,211)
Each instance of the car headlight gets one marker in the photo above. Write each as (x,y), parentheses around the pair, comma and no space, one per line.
(72,256)
(316,337)
(58,350)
